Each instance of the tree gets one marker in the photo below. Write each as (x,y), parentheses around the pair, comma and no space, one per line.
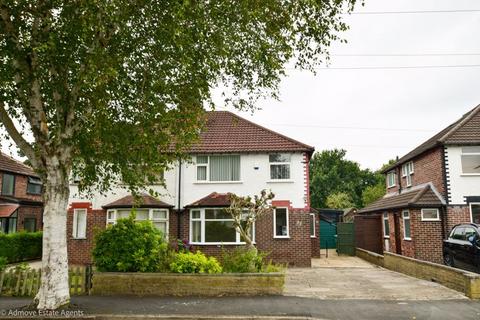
(373,193)
(339,200)
(115,90)
(245,211)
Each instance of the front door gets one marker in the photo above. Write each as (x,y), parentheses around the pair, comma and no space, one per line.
(398,235)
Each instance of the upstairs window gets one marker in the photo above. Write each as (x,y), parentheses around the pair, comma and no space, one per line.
(8,184)
(391,179)
(34,186)
(279,166)
(471,160)
(407,172)
(218,168)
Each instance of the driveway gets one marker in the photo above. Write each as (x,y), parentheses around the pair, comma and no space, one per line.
(353,278)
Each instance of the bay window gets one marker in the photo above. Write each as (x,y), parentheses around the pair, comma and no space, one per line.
(471,160)
(279,166)
(218,168)
(159,217)
(213,226)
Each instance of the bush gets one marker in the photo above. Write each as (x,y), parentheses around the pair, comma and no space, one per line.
(130,246)
(3,263)
(242,260)
(21,246)
(187,262)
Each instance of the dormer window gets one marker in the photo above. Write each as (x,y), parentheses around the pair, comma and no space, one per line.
(407,172)
(391,179)
(471,160)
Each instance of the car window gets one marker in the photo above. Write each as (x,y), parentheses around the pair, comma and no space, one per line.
(459,233)
(469,232)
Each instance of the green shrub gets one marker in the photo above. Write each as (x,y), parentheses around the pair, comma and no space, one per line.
(187,262)
(21,246)
(130,246)
(243,260)
(3,263)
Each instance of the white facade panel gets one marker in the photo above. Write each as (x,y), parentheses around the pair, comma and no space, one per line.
(460,185)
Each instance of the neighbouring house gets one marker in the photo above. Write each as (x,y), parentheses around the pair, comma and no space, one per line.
(233,155)
(348,214)
(21,206)
(429,190)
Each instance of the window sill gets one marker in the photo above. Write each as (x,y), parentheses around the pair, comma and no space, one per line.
(218,182)
(78,238)
(281,237)
(313,237)
(470,175)
(280,181)
(386,237)
(219,243)
(430,220)
(407,239)
(390,187)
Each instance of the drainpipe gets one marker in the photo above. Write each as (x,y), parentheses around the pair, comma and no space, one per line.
(179,211)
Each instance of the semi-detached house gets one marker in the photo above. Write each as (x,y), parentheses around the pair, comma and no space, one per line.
(233,155)
(429,190)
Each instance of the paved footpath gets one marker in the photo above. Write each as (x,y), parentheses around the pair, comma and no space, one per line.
(276,307)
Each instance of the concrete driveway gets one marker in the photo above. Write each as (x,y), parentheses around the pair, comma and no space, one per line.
(343,277)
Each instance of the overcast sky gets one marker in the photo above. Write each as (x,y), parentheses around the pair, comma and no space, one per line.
(377,114)
(398,108)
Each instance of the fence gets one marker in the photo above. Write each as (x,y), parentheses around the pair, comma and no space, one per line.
(26,283)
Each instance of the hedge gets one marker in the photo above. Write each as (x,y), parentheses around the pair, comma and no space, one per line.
(21,246)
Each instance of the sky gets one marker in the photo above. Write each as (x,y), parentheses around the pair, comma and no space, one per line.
(378,114)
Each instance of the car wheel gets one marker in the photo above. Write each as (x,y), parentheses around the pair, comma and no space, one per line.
(448,260)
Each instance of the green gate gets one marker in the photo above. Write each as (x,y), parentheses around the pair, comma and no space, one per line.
(328,234)
(346,238)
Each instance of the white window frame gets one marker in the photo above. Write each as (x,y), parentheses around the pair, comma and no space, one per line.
(207,168)
(313,220)
(275,223)
(385,218)
(280,163)
(207,165)
(75,223)
(202,229)
(113,218)
(471,211)
(406,216)
(391,173)
(429,219)
(467,153)
(407,172)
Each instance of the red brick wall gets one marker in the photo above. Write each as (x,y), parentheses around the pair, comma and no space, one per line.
(427,237)
(30,212)
(456,215)
(21,188)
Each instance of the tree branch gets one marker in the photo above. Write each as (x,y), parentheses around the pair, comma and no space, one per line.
(12,131)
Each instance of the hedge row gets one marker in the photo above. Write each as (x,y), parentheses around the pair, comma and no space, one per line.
(21,246)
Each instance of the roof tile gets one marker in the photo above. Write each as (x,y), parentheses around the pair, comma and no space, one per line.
(145,201)
(11,165)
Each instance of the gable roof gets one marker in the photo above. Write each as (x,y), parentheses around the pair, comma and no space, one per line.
(464,131)
(225,132)
(214,199)
(145,201)
(416,198)
(11,165)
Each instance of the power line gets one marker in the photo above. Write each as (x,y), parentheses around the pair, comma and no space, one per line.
(396,67)
(348,127)
(413,12)
(401,54)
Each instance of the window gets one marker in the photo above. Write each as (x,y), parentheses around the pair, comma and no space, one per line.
(407,172)
(391,179)
(280,223)
(312,225)
(386,226)
(218,168)
(471,160)
(469,232)
(213,226)
(406,225)
(430,215)
(8,184)
(34,186)
(475,212)
(279,166)
(458,233)
(159,217)
(79,223)
(30,224)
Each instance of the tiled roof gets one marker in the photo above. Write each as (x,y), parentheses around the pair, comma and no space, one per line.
(226,132)
(144,201)
(421,197)
(466,130)
(6,210)
(11,165)
(213,200)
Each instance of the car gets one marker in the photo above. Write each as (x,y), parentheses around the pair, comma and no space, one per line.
(462,247)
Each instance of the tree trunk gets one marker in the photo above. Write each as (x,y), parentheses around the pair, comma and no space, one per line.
(54,289)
